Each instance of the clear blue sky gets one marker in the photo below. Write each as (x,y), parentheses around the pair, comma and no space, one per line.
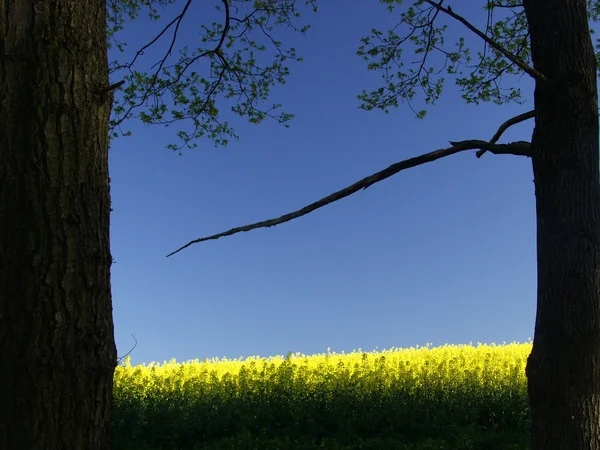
(441,253)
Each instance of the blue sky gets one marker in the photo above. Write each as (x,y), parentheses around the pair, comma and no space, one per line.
(441,253)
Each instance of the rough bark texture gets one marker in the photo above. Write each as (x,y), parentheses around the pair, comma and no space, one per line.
(57,348)
(564,366)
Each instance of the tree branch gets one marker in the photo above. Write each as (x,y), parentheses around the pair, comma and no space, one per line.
(516,148)
(177,22)
(119,359)
(510,56)
(111,87)
(505,125)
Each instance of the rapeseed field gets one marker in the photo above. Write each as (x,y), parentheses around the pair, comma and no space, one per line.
(461,396)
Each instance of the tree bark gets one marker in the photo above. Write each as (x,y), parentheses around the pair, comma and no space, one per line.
(57,350)
(564,366)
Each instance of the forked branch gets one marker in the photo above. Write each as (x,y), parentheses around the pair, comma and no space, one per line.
(510,56)
(516,148)
(509,123)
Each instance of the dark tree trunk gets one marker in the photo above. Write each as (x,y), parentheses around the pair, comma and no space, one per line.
(564,367)
(57,351)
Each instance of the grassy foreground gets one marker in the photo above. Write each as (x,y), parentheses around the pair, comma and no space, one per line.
(451,397)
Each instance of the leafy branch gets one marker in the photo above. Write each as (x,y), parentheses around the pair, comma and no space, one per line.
(505,41)
(384,51)
(510,31)
(175,92)
(510,56)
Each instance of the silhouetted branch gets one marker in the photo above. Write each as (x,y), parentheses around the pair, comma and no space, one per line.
(510,56)
(516,148)
(177,22)
(127,354)
(500,5)
(111,87)
(509,123)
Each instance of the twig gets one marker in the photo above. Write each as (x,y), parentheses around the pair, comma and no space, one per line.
(515,148)
(127,354)
(512,57)
(176,21)
(509,123)
(111,87)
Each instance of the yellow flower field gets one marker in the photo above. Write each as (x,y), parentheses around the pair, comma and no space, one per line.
(490,366)
(442,393)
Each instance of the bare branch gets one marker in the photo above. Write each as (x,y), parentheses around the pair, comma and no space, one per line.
(516,148)
(509,123)
(129,352)
(176,21)
(111,87)
(500,5)
(510,56)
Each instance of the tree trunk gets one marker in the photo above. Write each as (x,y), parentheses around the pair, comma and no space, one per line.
(564,366)
(57,350)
